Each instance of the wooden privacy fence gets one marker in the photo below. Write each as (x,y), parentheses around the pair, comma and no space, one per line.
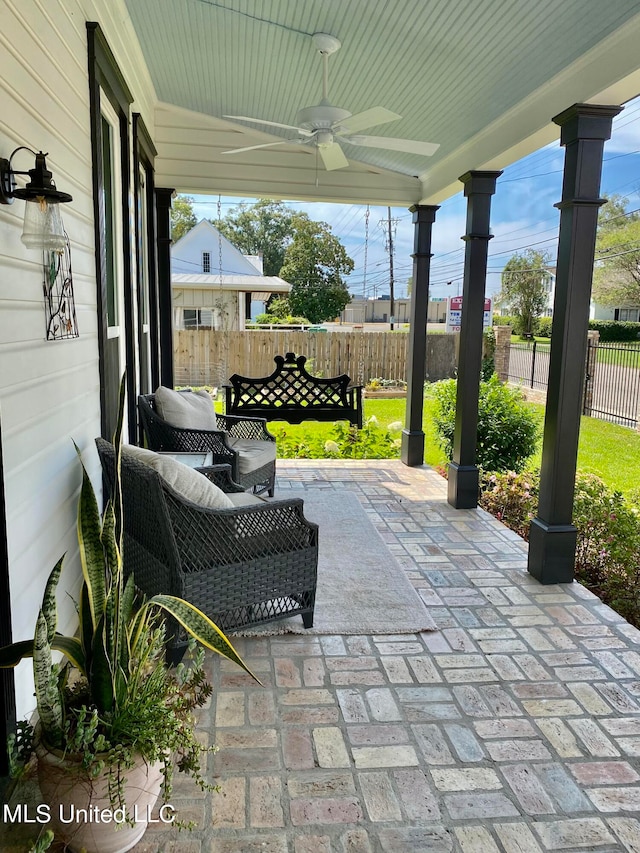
(207,357)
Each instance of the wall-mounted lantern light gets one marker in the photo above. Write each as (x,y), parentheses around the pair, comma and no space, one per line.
(43,228)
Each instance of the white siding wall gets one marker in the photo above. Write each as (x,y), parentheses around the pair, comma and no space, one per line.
(49,391)
(186,254)
(600,312)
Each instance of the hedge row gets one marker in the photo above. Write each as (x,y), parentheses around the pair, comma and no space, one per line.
(616,330)
(610,330)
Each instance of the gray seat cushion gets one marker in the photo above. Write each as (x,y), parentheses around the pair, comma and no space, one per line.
(253,454)
(245,499)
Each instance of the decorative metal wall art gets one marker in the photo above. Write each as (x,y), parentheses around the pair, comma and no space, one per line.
(59,302)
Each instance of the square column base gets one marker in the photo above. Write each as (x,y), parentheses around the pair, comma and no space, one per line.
(552,552)
(412,448)
(463,486)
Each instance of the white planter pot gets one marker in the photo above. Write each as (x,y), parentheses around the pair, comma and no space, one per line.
(80,812)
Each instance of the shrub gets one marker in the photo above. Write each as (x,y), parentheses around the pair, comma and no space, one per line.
(279,307)
(503,321)
(608,525)
(275,320)
(507,429)
(608,547)
(344,442)
(512,498)
(615,330)
(488,367)
(543,328)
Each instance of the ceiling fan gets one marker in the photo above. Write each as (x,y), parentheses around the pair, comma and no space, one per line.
(321,126)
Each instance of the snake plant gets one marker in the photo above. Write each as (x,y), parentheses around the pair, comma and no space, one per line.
(116,630)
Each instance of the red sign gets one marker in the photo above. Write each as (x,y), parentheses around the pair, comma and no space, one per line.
(456,304)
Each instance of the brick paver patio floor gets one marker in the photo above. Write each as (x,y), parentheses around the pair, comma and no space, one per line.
(515,727)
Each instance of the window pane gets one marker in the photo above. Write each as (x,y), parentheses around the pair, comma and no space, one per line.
(206,262)
(142,248)
(108,216)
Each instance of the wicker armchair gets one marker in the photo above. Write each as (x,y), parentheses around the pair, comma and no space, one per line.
(234,444)
(242,566)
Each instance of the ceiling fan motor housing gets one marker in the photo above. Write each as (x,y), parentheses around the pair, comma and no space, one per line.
(320,117)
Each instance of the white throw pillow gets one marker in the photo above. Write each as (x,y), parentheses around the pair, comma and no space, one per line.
(186,409)
(187,482)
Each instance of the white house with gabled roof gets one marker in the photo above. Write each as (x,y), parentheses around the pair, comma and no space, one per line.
(215,286)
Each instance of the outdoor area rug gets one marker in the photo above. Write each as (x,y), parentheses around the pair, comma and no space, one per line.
(361,587)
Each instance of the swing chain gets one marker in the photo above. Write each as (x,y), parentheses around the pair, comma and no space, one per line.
(220,239)
(366,250)
(364,298)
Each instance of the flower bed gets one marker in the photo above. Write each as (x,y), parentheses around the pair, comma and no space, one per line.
(608,524)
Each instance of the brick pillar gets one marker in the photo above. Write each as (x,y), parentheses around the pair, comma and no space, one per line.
(503,347)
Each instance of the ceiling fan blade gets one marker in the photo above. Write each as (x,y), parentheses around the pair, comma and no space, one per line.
(408,146)
(253,147)
(299,130)
(368,118)
(333,157)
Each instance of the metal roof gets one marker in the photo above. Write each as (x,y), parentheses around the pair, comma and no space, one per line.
(246,283)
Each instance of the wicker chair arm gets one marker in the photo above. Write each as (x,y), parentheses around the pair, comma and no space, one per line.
(211,537)
(240,426)
(199,441)
(220,475)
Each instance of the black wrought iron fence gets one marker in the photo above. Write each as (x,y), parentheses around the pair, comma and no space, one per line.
(612,382)
(529,364)
(612,377)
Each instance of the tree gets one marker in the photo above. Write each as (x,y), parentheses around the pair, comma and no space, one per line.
(183,218)
(265,228)
(524,288)
(279,307)
(616,275)
(314,264)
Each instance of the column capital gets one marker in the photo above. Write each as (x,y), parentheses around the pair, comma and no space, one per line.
(479,183)
(424,212)
(164,195)
(586,121)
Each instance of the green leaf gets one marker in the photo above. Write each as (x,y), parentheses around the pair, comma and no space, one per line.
(71,647)
(199,626)
(11,656)
(48,696)
(86,623)
(126,612)
(100,674)
(91,551)
(108,540)
(49,607)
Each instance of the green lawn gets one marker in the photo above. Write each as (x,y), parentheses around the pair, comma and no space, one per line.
(517,339)
(608,450)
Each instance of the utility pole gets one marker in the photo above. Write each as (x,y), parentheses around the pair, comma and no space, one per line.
(391,293)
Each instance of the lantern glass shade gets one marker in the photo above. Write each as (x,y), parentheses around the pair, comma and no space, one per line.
(43,228)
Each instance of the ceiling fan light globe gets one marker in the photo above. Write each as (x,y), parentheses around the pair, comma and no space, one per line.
(324,138)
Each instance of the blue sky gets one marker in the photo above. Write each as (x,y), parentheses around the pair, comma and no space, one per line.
(522,216)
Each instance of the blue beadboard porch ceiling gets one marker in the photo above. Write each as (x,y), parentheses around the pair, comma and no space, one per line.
(483,79)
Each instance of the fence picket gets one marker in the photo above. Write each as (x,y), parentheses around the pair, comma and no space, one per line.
(204,357)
